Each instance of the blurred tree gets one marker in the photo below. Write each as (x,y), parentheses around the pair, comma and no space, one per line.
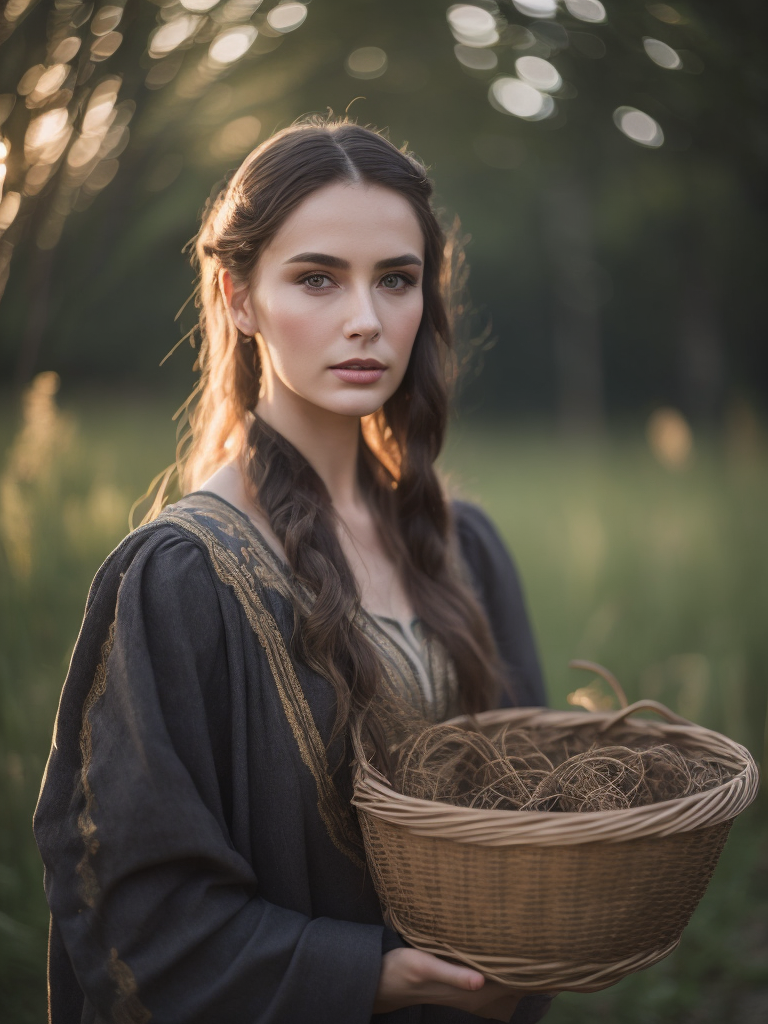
(609,162)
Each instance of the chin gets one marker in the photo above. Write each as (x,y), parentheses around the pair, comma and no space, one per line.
(362,404)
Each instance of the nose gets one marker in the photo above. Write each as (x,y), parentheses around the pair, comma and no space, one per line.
(362,323)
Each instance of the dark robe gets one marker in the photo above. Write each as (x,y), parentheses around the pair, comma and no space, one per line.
(203,864)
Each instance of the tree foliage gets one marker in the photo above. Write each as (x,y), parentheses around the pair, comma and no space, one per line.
(609,161)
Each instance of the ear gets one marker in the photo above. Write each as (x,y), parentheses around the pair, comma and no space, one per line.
(238,302)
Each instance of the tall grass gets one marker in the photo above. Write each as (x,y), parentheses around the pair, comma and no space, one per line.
(660,575)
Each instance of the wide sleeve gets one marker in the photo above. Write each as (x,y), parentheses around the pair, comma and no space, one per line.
(159,913)
(497,584)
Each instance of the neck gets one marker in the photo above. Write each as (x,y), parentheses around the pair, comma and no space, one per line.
(328,441)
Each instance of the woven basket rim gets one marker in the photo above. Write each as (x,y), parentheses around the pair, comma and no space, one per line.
(374,794)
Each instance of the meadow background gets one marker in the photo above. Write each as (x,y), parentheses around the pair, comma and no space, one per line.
(659,573)
(609,162)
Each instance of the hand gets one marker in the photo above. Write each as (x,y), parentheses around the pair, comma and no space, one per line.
(410,978)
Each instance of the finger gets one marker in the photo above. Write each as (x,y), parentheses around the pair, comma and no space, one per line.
(454,975)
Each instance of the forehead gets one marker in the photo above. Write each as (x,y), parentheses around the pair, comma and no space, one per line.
(355,221)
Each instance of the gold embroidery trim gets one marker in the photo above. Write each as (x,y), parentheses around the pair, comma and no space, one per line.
(127,1009)
(89,887)
(336,817)
(401,673)
(272,572)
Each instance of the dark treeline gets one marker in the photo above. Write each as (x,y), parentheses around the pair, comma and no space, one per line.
(613,273)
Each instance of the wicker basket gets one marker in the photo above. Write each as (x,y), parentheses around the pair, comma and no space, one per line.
(548,901)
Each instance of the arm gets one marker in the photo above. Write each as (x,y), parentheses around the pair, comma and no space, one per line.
(159,912)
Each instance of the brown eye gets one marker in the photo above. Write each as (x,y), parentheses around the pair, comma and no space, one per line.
(315,280)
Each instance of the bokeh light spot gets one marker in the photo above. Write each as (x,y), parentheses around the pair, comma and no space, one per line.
(232,43)
(45,146)
(537,8)
(237,137)
(99,114)
(9,207)
(36,177)
(173,34)
(105,19)
(198,6)
(101,175)
(7,103)
(638,126)
(475,57)
(538,73)
(105,46)
(51,80)
(83,150)
(670,438)
(586,10)
(521,99)
(662,54)
(116,140)
(46,128)
(239,10)
(366,62)
(164,71)
(666,14)
(15,8)
(472,26)
(29,79)
(66,49)
(287,17)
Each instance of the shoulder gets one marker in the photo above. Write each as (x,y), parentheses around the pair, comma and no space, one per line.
(471,520)
(160,547)
(184,557)
(172,561)
(496,581)
(479,540)
(198,546)
(158,572)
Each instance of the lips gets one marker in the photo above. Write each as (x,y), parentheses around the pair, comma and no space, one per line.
(359,371)
(359,364)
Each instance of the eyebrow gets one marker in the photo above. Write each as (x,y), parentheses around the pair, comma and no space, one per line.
(324,260)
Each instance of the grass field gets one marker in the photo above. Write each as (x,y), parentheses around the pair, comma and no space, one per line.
(661,575)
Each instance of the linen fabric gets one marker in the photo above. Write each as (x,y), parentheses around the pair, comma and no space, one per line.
(203,863)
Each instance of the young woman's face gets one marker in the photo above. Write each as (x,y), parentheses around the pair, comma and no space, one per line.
(336,300)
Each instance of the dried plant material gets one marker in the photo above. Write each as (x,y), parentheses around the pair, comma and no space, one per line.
(514,769)
(450,875)
(45,435)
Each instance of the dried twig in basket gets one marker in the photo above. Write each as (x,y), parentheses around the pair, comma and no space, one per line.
(516,769)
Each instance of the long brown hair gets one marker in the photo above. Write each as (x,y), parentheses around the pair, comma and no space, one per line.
(399,443)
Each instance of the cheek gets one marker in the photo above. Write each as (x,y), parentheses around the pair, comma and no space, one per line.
(291,329)
(405,323)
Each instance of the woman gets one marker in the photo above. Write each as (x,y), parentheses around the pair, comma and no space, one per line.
(203,862)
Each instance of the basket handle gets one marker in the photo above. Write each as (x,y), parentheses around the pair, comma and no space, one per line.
(644,705)
(626,709)
(609,677)
(363,764)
